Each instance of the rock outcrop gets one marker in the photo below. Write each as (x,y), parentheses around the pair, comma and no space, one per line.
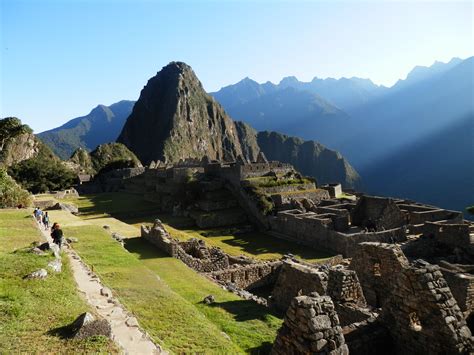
(174,119)
(22,147)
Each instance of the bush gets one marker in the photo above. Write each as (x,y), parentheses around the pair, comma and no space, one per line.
(11,194)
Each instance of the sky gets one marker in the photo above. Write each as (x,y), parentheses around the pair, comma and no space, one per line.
(59,59)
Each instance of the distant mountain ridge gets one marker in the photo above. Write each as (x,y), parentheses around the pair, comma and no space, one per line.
(103,124)
(381,131)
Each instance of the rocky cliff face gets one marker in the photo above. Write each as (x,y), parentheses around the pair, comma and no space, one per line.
(174,119)
(309,157)
(22,147)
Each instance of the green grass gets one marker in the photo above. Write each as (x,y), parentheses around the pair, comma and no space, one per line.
(254,244)
(270,181)
(34,313)
(296,192)
(165,295)
(161,291)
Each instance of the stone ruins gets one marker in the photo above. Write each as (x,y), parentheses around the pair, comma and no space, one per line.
(403,281)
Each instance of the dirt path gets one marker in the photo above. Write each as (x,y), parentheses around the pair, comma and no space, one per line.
(125,330)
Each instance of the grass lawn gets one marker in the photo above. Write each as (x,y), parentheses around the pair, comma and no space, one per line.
(134,211)
(34,312)
(165,294)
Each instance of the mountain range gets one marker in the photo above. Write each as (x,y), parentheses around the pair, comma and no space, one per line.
(102,125)
(380,130)
(175,119)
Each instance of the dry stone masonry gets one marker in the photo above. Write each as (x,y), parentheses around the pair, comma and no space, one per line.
(311,326)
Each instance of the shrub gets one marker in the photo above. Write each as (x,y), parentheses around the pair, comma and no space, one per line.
(11,194)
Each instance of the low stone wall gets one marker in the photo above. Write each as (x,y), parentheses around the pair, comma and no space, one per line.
(451,235)
(292,188)
(314,195)
(215,260)
(311,326)
(434,215)
(249,276)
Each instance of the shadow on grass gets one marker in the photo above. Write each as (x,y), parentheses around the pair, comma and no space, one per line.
(263,349)
(143,248)
(64,332)
(244,310)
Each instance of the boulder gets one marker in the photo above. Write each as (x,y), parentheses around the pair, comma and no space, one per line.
(210,299)
(40,274)
(44,246)
(86,326)
(37,251)
(104,291)
(55,265)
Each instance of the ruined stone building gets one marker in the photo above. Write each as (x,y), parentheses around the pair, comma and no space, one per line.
(403,282)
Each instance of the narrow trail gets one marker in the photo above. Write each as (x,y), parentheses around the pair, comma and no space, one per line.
(126,332)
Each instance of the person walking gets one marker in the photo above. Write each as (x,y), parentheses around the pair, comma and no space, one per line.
(57,234)
(46,221)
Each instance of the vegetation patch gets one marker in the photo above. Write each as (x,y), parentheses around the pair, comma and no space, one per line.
(11,194)
(34,314)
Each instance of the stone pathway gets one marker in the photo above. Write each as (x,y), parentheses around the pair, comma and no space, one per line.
(126,332)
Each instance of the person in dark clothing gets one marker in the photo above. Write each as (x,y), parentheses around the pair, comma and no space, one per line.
(57,234)
(46,220)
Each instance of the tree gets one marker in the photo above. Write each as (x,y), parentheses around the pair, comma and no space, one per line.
(11,127)
(470,210)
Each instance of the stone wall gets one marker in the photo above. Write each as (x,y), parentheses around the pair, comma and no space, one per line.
(417,305)
(193,253)
(423,315)
(318,231)
(296,279)
(419,217)
(344,287)
(377,213)
(461,285)
(311,326)
(249,276)
(377,266)
(448,234)
(314,195)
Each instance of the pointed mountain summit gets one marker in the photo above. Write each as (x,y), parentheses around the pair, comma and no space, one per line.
(174,119)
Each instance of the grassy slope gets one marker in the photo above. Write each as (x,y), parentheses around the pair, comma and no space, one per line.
(168,306)
(33,312)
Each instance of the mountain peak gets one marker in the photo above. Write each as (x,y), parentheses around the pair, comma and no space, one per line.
(174,119)
(289,80)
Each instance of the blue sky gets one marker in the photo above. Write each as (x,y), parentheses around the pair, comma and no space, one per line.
(59,59)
